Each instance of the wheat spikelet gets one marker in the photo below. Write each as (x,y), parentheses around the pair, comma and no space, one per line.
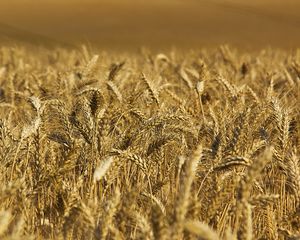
(153,94)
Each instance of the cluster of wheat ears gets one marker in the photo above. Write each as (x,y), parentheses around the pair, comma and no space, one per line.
(183,145)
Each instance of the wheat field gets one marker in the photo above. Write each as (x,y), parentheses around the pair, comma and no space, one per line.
(197,144)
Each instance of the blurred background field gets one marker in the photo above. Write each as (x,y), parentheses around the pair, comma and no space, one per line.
(156,24)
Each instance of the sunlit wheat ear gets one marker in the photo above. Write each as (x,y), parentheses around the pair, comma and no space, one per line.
(200,90)
(200,87)
(36,103)
(102,169)
(31,129)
